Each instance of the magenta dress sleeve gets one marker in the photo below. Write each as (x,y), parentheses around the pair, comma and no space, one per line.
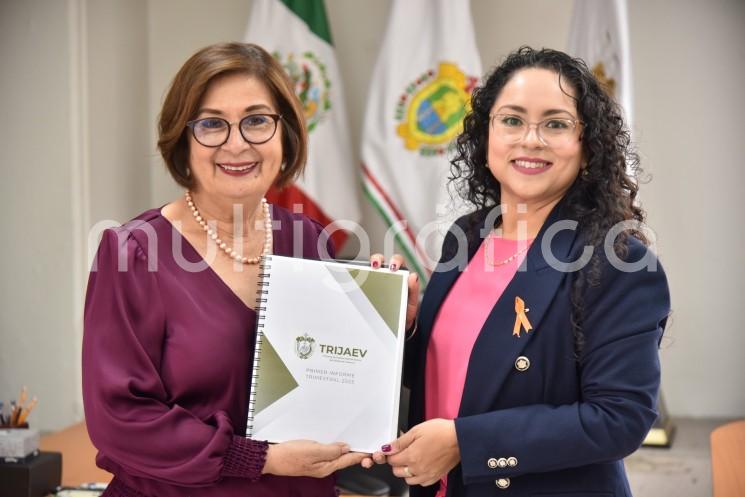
(128,414)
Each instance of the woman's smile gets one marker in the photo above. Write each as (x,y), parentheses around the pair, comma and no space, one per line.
(530,165)
(237,168)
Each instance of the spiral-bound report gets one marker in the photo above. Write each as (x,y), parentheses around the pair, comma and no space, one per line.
(329,352)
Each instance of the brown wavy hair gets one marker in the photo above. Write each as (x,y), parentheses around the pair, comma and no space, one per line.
(189,86)
(599,198)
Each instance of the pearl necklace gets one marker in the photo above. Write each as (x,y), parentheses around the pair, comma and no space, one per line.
(224,246)
(511,258)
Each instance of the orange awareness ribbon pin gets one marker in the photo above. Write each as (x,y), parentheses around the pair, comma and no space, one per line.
(521,319)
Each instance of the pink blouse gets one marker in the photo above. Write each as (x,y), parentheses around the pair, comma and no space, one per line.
(460,320)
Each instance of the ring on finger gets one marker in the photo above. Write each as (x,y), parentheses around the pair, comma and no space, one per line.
(407,472)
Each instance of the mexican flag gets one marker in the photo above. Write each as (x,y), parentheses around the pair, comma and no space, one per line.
(297,33)
(420,91)
(599,34)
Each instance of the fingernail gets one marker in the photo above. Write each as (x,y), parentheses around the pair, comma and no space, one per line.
(386,448)
(393,266)
(416,277)
(375,264)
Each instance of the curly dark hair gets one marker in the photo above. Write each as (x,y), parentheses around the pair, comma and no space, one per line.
(602,196)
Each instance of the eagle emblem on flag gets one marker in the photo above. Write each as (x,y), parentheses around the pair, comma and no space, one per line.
(312,85)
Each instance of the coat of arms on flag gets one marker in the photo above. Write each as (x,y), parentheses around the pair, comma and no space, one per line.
(432,108)
(420,92)
(312,85)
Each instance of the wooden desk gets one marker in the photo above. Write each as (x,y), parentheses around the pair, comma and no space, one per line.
(728,460)
(78,455)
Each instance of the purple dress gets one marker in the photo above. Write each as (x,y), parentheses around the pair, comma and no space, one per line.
(167,353)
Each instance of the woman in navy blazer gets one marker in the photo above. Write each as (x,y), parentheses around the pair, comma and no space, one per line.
(554,409)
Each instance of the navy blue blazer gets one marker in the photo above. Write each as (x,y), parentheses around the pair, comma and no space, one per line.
(534,420)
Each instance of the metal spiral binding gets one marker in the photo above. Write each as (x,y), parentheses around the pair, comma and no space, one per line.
(264,270)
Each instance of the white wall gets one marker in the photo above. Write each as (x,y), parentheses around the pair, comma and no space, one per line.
(688,70)
(689,67)
(37,313)
(75,133)
(119,118)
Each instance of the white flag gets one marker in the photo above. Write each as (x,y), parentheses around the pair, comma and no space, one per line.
(419,93)
(599,34)
(297,33)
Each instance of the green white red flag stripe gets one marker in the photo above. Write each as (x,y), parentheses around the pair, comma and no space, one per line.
(387,210)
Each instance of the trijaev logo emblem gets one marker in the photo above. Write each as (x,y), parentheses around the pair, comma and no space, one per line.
(304,346)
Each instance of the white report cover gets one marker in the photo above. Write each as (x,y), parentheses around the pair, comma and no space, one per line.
(329,353)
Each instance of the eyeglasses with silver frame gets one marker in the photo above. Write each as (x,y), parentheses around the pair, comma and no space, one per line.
(552,132)
(215,131)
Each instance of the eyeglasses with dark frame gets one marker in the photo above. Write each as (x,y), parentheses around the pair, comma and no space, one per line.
(552,132)
(215,131)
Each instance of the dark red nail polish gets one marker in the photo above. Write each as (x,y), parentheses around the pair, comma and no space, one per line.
(375,264)
(386,448)
(393,267)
